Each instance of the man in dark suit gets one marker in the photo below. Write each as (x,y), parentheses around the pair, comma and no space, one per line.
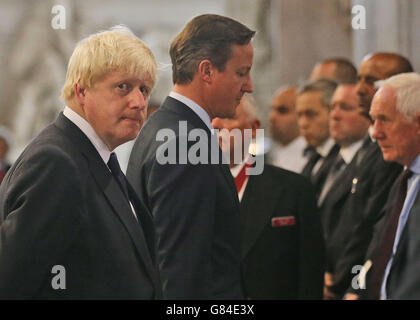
(71,227)
(372,183)
(193,200)
(394,272)
(313,108)
(349,129)
(282,245)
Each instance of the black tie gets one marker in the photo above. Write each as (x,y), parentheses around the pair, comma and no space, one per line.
(385,248)
(114,166)
(333,175)
(314,156)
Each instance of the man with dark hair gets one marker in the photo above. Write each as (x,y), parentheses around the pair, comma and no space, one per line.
(340,70)
(313,108)
(377,66)
(349,129)
(195,205)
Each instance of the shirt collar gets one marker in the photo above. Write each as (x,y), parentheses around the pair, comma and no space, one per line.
(297,143)
(326,147)
(194,107)
(348,153)
(370,132)
(415,165)
(236,169)
(87,129)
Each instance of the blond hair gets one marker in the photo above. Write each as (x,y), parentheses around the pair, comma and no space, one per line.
(99,54)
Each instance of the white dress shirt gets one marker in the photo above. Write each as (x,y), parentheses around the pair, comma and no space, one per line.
(90,133)
(348,153)
(290,157)
(235,171)
(87,129)
(413,186)
(199,111)
(324,149)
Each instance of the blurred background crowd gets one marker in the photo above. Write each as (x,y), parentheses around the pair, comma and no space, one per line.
(292,36)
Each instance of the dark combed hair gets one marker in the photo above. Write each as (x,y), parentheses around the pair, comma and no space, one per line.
(209,37)
(325,86)
(345,71)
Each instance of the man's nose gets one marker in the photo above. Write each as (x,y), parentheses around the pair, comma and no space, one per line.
(138,99)
(248,87)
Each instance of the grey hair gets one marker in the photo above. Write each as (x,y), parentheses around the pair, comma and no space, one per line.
(407,91)
(325,86)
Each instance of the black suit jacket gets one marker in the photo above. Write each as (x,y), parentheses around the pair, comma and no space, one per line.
(282,262)
(368,186)
(195,207)
(60,205)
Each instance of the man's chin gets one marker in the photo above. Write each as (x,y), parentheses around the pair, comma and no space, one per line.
(387,155)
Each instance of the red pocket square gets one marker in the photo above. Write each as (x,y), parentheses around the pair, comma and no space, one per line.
(283,221)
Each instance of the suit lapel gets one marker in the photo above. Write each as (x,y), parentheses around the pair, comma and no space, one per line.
(189,115)
(257,208)
(405,235)
(341,187)
(320,176)
(111,190)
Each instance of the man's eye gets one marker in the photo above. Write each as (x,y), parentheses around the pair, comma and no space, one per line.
(123,86)
(144,90)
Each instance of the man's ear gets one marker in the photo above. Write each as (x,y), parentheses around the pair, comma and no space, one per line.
(256,124)
(205,71)
(417,122)
(80,94)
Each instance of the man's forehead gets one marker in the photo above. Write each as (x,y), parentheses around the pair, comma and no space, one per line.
(347,90)
(242,55)
(285,96)
(385,96)
(379,66)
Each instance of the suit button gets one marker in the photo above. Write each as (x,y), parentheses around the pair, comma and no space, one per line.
(353,187)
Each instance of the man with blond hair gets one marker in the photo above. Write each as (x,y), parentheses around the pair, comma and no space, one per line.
(71,225)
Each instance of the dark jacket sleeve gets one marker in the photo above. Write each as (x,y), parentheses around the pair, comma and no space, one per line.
(183,208)
(40,211)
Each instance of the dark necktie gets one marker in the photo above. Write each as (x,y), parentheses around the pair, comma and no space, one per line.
(114,166)
(314,156)
(333,175)
(241,177)
(383,255)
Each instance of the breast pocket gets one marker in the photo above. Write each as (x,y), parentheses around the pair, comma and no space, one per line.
(286,221)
